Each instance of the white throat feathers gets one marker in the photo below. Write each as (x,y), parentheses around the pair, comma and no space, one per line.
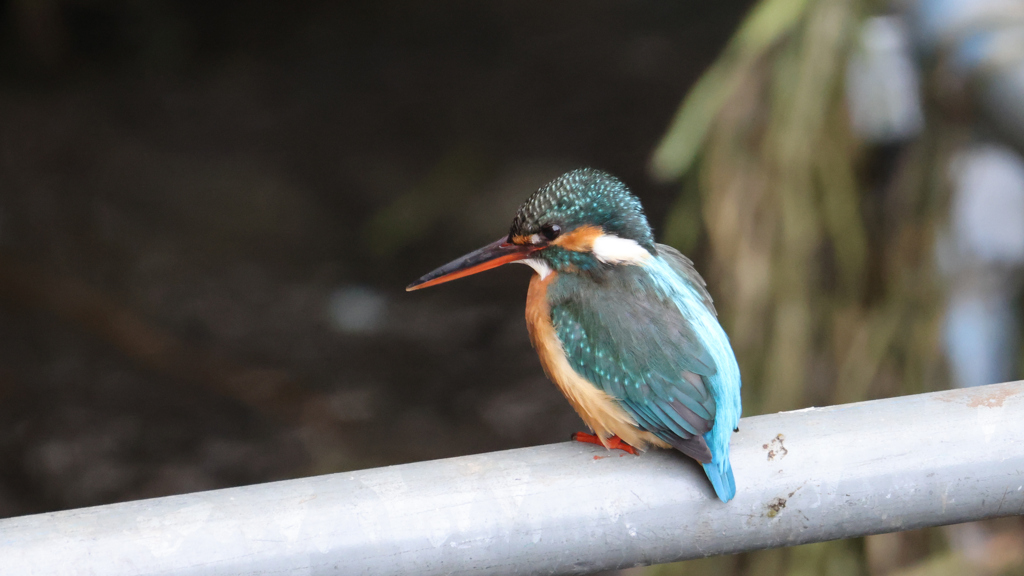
(540,266)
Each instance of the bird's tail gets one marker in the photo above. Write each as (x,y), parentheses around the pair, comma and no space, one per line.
(720,474)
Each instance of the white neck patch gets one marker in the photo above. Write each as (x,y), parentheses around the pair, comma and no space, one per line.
(537,264)
(612,249)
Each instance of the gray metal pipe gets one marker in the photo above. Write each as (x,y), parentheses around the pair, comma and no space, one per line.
(805,476)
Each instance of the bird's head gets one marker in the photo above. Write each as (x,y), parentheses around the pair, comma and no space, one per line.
(582,222)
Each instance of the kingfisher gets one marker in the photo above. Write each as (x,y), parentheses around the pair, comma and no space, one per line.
(623,326)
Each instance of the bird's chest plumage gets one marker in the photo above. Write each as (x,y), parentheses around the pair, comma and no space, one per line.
(599,410)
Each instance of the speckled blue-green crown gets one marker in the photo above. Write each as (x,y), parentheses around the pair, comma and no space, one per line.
(585,196)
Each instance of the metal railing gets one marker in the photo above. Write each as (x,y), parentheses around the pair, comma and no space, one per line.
(804,476)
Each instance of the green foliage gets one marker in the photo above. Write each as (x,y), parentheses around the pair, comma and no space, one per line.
(767,23)
(824,277)
(810,281)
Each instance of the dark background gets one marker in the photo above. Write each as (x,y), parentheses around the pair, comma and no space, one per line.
(209,211)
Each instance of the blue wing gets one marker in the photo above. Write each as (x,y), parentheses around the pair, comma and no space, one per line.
(626,332)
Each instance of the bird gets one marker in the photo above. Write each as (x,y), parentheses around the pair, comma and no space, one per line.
(625,327)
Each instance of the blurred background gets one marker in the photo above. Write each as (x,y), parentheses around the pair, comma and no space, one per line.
(209,211)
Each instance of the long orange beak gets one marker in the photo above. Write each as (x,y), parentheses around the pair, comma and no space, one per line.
(491,256)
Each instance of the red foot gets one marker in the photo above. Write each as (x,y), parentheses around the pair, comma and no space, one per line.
(614,443)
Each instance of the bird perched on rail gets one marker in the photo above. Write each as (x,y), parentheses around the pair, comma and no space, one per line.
(623,326)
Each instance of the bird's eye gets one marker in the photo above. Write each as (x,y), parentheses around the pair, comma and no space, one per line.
(550,231)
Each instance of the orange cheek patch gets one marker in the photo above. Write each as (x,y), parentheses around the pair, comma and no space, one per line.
(580,239)
(521,240)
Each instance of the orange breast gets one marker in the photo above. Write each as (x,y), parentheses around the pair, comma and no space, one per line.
(597,409)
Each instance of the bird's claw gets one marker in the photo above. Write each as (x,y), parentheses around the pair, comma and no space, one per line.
(613,443)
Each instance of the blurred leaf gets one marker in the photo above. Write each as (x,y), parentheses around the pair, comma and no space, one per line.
(836,558)
(414,214)
(686,133)
(766,24)
(842,218)
(946,564)
(683,226)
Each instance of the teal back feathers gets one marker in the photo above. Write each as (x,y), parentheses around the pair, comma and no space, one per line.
(648,336)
